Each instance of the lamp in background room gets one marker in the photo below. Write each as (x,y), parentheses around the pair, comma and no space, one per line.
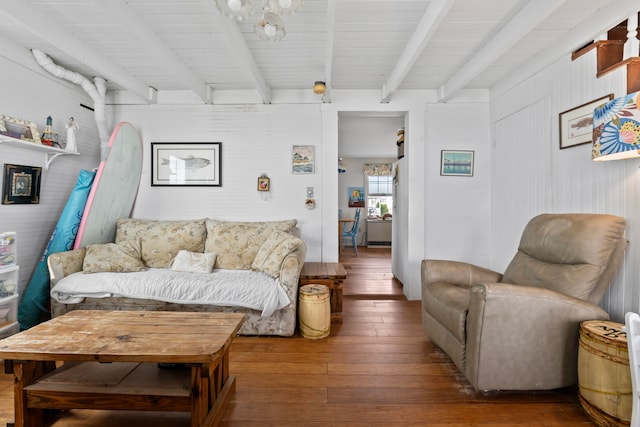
(616,129)
(319,87)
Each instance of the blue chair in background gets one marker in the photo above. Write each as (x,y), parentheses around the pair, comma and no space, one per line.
(353,232)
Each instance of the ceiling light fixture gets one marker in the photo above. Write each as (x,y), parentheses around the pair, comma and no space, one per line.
(285,7)
(235,9)
(319,88)
(270,27)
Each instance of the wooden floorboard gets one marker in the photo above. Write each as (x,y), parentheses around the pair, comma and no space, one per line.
(376,369)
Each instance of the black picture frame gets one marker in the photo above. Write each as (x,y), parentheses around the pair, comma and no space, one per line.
(186,164)
(576,124)
(21,185)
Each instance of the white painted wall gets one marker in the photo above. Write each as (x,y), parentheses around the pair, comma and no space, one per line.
(532,175)
(34,95)
(255,139)
(258,138)
(458,209)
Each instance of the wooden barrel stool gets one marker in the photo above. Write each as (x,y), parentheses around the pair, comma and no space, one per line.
(604,377)
(314,311)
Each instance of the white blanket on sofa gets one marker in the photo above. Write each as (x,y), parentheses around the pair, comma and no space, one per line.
(234,288)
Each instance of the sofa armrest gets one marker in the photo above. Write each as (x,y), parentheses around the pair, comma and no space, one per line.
(509,324)
(62,264)
(290,271)
(455,272)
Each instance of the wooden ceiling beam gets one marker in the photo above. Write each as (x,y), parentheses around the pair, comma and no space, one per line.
(243,54)
(428,25)
(608,16)
(153,44)
(328,57)
(528,18)
(33,20)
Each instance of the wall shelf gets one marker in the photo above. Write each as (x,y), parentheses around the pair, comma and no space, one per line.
(50,153)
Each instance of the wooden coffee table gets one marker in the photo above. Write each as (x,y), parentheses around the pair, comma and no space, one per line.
(130,345)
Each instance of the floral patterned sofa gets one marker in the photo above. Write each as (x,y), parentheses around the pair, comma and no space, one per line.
(267,250)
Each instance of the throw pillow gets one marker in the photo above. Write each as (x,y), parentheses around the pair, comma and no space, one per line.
(273,252)
(123,257)
(161,240)
(193,262)
(237,243)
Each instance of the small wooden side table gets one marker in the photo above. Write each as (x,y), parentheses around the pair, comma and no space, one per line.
(330,274)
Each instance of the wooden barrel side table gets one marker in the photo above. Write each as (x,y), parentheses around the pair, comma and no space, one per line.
(604,376)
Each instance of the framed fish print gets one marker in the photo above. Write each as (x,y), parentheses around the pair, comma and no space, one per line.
(186,164)
(576,124)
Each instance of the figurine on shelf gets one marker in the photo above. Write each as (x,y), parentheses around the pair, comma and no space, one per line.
(72,127)
(47,135)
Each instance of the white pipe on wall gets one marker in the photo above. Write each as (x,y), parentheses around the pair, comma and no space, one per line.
(97,92)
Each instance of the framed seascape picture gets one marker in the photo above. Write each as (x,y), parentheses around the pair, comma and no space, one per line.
(303,159)
(21,185)
(456,163)
(576,124)
(186,164)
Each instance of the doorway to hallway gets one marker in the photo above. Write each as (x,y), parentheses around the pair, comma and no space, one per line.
(369,274)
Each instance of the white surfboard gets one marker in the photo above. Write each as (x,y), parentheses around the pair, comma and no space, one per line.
(114,190)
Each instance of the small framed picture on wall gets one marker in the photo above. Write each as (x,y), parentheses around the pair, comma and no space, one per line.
(456,163)
(303,159)
(21,185)
(264,183)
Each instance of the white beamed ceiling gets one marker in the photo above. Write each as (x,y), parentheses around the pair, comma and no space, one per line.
(182,44)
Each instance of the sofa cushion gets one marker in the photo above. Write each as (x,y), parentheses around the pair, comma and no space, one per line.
(162,240)
(238,243)
(273,252)
(115,258)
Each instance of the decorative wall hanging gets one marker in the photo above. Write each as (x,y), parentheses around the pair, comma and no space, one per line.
(576,124)
(456,163)
(303,159)
(264,183)
(186,164)
(21,185)
(616,129)
(356,197)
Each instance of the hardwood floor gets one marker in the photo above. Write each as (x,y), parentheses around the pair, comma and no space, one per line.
(375,369)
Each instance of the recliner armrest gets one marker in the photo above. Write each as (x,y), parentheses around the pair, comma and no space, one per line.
(511,325)
(456,272)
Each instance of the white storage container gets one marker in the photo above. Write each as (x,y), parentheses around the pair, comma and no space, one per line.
(8,252)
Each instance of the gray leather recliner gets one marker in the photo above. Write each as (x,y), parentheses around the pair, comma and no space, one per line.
(519,330)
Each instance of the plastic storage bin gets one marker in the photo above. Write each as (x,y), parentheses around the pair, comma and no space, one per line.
(8,253)
(8,281)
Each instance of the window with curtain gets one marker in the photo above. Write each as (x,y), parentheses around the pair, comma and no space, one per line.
(379,188)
